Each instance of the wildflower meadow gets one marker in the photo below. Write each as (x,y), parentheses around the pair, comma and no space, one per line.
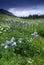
(21,41)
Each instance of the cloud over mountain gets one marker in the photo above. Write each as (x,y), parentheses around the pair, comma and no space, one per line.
(26,12)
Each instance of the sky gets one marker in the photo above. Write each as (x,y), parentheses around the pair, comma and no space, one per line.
(23,7)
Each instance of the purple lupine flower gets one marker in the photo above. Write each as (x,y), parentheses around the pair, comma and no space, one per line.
(2,44)
(35,34)
(6,47)
(7,42)
(20,40)
(14,44)
(12,39)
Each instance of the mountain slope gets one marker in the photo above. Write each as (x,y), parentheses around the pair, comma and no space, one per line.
(2,11)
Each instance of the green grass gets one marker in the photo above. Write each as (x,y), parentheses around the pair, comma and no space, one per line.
(30,51)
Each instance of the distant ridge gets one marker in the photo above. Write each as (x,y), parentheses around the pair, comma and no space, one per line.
(3,11)
(33,16)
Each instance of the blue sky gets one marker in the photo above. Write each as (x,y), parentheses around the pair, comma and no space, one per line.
(23,7)
(20,3)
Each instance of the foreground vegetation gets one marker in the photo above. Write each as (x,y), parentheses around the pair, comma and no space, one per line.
(21,41)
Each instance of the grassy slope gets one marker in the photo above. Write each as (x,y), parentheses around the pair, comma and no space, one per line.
(9,58)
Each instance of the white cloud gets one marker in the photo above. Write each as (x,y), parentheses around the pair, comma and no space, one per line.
(26,12)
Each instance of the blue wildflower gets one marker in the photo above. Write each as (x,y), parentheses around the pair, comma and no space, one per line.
(20,40)
(6,47)
(12,39)
(7,42)
(35,34)
(2,44)
(14,44)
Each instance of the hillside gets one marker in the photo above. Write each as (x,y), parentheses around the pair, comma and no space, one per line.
(3,11)
(21,40)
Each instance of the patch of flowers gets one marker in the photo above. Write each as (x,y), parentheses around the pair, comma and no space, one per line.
(11,42)
(24,47)
(35,34)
